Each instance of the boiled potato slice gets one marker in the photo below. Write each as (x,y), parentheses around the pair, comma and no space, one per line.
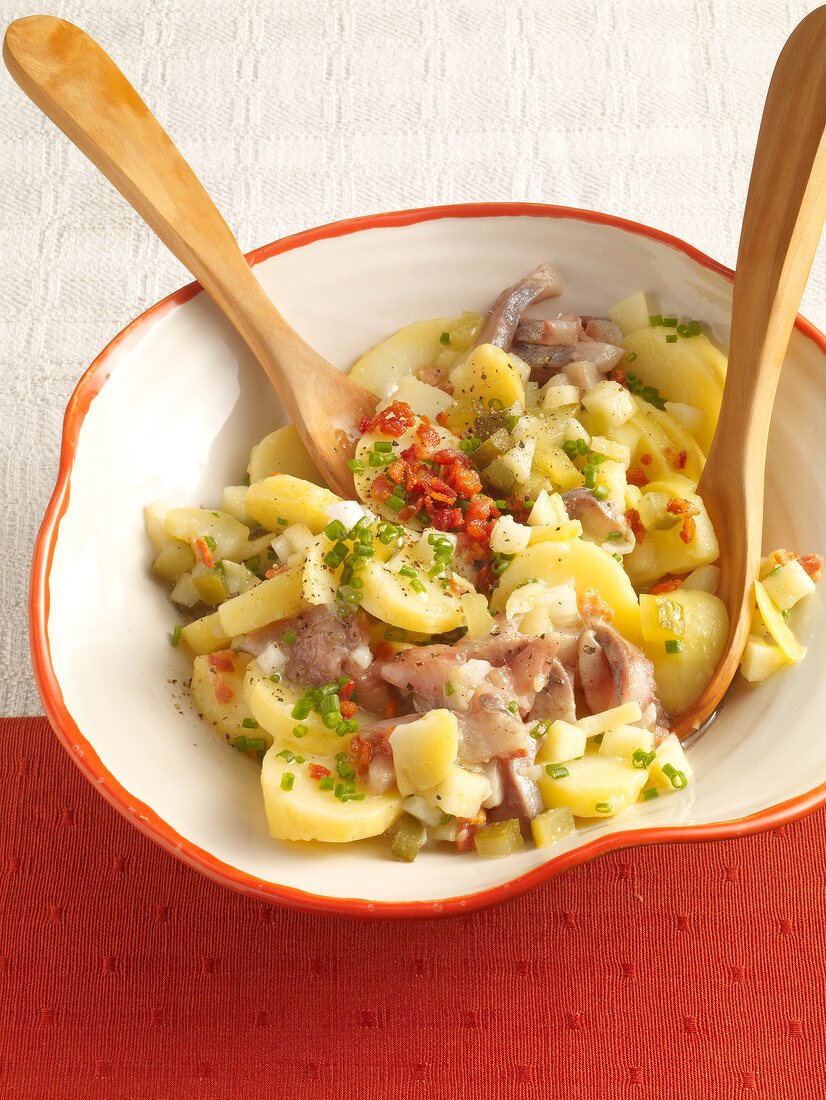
(424,750)
(423,399)
(205,635)
(777,626)
(703,624)
(381,369)
(489,375)
(305,812)
(283,452)
(691,371)
(218,693)
(174,558)
(626,740)
(650,432)
(663,552)
(670,752)
(319,580)
(284,497)
(583,565)
(271,600)
(390,596)
(608,782)
(190,523)
(631,314)
(154,515)
(364,479)
(271,705)
(563,741)
(461,793)
(761,659)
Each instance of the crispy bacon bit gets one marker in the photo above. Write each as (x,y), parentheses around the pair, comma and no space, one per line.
(780,557)
(223,692)
(381,488)
(318,771)
(443,419)
(348,708)
(677,506)
(678,461)
(395,420)
(593,606)
(362,749)
(632,518)
(466,830)
(669,584)
(812,563)
(427,435)
(618,375)
(202,552)
(347,691)
(645,459)
(636,476)
(223,660)
(397,472)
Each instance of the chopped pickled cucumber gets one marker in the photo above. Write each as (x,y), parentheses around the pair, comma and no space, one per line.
(410,837)
(551,826)
(502,838)
(174,558)
(211,588)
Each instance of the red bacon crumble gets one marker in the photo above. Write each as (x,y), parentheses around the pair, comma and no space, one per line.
(395,420)
(318,771)
(677,506)
(678,461)
(636,476)
(632,518)
(669,584)
(223,660)
(646,459)
(812,563)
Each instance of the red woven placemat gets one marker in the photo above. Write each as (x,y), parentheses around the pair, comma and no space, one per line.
(685,971)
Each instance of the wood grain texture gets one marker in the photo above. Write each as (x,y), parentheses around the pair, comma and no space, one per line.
(782,223)
(70,78)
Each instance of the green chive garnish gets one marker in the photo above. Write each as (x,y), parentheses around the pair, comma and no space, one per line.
(678,778)
(650,793)
(556,771)
(287,780)
(249,724)
(176,635)
(445,339)
(642,759)
(673,645)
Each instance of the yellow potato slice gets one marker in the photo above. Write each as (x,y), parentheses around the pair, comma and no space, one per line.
(282,452)
(691,371)
(424,750)
(284,497)
(205,635)
(702,622)
(381,369)
(189,523)
(777,626)
(389,596)
(488,375)
(271,705)
(305,812)
(609,782)
(664,551)
(364,479)
(224,715)
(271,600)
(583,565)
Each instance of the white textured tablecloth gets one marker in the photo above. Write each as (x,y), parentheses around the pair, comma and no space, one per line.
(299,112)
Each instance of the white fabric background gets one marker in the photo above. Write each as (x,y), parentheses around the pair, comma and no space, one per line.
(299,112)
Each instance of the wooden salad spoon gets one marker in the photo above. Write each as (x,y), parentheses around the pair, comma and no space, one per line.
(72,80)
(782,222)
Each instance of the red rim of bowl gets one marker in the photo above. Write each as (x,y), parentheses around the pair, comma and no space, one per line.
(142,816)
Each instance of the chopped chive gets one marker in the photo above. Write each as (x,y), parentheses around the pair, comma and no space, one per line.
(673,645)
(670,322)
(682,330)
(671,338)
(655,319)
(276,678)
(556,771)
(335,531)
(615,536)
(246,480)
(513,420)
(258,744)
(601,492)
(301,709)
(598,739)
(642,759)
(326,783)
(603,807)
(540,729)
(176,635)
(449,689)
(356,465)
(383,446)
(445,339)
(287,780)
(300,731)
(776,569)
(210,541)
(513,706)
(288,637)
(495,403)
(394,504)
(283,521)
(785,612)
(249,724)
(650,793)
(694,328)
(288,755)
(630,357)
(678,778)
(240,743)
(468,446)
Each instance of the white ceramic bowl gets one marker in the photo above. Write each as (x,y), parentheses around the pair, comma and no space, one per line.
(170,410)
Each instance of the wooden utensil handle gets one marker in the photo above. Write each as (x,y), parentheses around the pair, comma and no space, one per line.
(75,83)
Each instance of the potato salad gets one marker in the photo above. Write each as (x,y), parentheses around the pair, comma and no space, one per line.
(484,647)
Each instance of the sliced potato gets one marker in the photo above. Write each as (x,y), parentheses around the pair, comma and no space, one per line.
(691,371)
(682,676)
(297,809)
(191,523)
(284,497)
(205,635)
(271,600)
(174,558)
(491,376)
(461,793)
(761,659)
(283,452)
(271,705)
(424,750)
(631,314)
(391,597)
(407,351)
(595,786)
(664,551)
(777,626)
(217,692)
(585,566)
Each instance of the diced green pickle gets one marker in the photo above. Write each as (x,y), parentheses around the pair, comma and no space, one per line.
(211,588)
(410,836)
(502,838)
(174,558)
(551,826)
